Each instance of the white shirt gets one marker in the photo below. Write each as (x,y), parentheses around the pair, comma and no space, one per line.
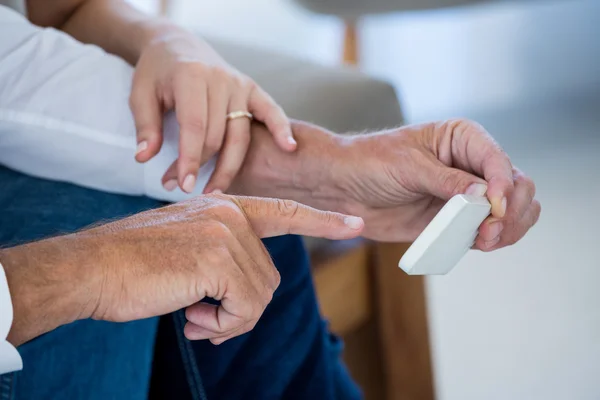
(64,116)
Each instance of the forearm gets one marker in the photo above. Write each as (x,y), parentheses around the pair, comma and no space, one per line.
(70,135)
(49,286)
(310,175)
(113,25)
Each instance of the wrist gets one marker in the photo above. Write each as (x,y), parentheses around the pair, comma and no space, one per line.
(310,175)
(49,287)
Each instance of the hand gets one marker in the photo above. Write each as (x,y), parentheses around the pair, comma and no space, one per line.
(163,260)
(406,175)
(178,71)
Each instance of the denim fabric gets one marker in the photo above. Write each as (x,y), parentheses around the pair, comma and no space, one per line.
(288,355)
(87,359)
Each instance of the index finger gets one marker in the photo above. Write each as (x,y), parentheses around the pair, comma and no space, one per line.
(275,217)
(191,109)
(479,152)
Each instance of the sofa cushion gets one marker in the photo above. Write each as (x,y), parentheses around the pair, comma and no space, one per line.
(340,99)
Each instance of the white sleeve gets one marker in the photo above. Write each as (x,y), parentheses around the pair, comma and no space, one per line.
(10,360)
(64,114)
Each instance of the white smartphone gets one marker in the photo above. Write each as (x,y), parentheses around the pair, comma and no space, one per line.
(447,238)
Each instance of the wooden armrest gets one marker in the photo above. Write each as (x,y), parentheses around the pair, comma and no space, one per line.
(343,283)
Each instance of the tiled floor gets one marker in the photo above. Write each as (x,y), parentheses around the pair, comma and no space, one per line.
(522,323)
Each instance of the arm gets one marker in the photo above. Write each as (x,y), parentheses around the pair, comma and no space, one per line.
(116,272)
(396,180)
(64,114)
(175,70)
(113,25)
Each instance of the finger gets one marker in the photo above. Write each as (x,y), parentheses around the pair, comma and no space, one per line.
(257,268)
(169,179)
(518,203)
(266,110)
(147,114)
(274,217)
(191,109)
(218,102)
(212,320)
(523,194)
(477,151)
(507,238)
(195,332)
(239,332)
(444,182)
(233,153)
(521,227)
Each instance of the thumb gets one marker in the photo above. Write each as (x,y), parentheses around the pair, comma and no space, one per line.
(444,183)
(275,217)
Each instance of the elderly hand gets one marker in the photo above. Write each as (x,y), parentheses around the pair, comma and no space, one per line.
(398,180)
(163,260)
(178,71)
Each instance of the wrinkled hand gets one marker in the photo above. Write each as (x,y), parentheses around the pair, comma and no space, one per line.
(406,176)
(163,260)
(181,72)
(170,258)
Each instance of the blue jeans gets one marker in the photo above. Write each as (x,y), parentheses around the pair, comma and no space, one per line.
(289,354)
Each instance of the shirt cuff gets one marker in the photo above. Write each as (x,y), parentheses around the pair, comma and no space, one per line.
(10,360)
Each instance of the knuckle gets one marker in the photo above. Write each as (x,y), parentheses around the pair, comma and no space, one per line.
(287,208)
(531,186)
(193,123)
(537,211)
(190,315)
(213,145)
(248,84)
(276,279)
(459,126)
(133,100)
(237,81)
(187,69)
(220,73)
(259,309)
(230,212)
(217,229)
(218,256)
(449,184)
(190,161)
(248,327)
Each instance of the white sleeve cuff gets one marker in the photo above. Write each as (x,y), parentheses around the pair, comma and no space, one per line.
(10,360)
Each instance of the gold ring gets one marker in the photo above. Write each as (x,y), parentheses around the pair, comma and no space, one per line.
(239,114)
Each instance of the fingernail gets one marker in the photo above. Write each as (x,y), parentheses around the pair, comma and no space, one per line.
(188,183)
(170,185)
(143,145)
(353,222)
(216,191)
(495,229)
(503,205)
(477,189)
(292,141)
